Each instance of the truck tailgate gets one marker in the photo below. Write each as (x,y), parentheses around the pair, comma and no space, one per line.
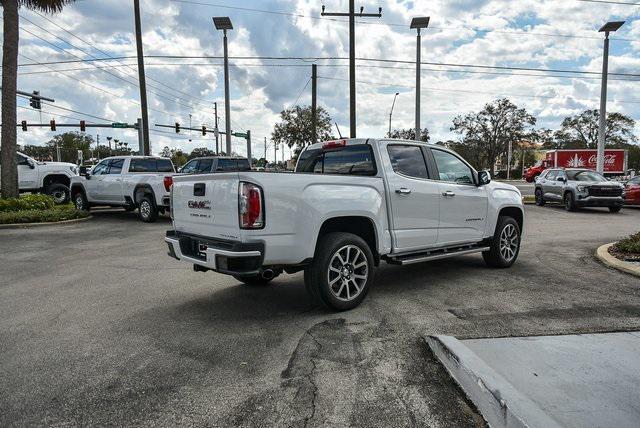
(206,205)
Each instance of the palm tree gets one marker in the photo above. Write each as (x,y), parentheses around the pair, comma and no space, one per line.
(9,169)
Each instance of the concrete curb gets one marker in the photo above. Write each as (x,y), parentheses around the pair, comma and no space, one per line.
(602,253)
(498,401)
(51,223)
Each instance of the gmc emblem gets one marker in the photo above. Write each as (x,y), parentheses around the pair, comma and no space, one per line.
(199,205)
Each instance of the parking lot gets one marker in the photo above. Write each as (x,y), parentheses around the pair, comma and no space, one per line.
(100,326)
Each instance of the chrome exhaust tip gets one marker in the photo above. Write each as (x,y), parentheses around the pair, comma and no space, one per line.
(268,274)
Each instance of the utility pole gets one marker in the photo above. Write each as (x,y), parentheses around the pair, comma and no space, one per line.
(352,56)
(265,149)
(215,106)
(275,154)
(140,137)
(602,123)
(314,113)
(249,147)
(418,23)
(141,79)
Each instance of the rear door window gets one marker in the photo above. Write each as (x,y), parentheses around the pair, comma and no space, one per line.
(407,160)
(551,175)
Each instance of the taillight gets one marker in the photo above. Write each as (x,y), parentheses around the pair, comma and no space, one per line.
(334,144)
(168,182)
(250,206)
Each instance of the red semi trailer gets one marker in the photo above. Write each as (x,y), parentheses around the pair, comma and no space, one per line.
(615,161)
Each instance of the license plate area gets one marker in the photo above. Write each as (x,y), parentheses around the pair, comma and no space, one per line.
(202,249)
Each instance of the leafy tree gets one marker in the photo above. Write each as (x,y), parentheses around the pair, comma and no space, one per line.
(69,144)
(581,130)
(37,152)
(9,169)
(294,128)
(199,152)
(487,133)
(410,134)
(177,156)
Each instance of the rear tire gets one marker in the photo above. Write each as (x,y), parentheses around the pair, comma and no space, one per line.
(60,193)
(341,272)
(505,244)
(254,280)
(569,203)
(147,210)
(539,198)
(615,209)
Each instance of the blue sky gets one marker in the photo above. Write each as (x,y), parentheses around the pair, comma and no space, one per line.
(525,33)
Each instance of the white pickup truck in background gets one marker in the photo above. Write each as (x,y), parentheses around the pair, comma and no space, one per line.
(51,178)
(131,182)
(351,204)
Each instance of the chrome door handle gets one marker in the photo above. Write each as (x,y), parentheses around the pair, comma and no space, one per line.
(403,191)
(448,194)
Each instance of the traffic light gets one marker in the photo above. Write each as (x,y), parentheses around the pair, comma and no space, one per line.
(52,122)
(35,100)
(204,130)
(177,128)
(24,125)
(83,126)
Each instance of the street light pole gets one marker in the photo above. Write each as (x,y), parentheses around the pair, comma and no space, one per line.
(224,23)
(418,23)
(602,123)
(391,112)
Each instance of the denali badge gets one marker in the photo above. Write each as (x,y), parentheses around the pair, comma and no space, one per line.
(199,205)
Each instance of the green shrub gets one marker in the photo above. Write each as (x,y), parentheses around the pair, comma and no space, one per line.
(56,213)
(35,201)
(630,244)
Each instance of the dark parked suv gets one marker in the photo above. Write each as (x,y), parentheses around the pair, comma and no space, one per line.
(577,188)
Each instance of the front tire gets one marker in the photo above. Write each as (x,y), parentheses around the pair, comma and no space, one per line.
(505,245)
(341,272)
(60,193)
(147,210)
(539,198)
(569,203)
(80,201)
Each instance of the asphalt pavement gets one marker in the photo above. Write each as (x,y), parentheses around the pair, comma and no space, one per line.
(99,326)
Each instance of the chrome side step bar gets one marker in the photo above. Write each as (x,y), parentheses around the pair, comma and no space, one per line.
(440,253)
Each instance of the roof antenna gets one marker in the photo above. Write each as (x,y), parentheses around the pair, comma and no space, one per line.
(338,128)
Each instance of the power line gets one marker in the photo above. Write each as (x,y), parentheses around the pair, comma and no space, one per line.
(610,2)
(404,25)
(301,91)
(134,83)
(108,55)
(471,91)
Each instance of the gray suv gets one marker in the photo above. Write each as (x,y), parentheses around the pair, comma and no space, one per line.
(575,188)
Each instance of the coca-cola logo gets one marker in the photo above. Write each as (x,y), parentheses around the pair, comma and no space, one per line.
(608,159)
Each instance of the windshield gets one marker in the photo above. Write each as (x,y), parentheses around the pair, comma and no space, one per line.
(585,176)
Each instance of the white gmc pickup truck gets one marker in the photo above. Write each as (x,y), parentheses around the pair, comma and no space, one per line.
(351,204)
(131,182)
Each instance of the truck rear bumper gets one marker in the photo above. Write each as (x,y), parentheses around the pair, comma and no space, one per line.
(228,257)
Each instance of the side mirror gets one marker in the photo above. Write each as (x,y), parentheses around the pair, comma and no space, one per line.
(31,164)
(484,177)
(562,179)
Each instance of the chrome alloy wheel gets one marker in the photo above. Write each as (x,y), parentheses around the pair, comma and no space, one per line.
(509,241)
(59,196)
(145,209)
(347,273)
(79,202)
